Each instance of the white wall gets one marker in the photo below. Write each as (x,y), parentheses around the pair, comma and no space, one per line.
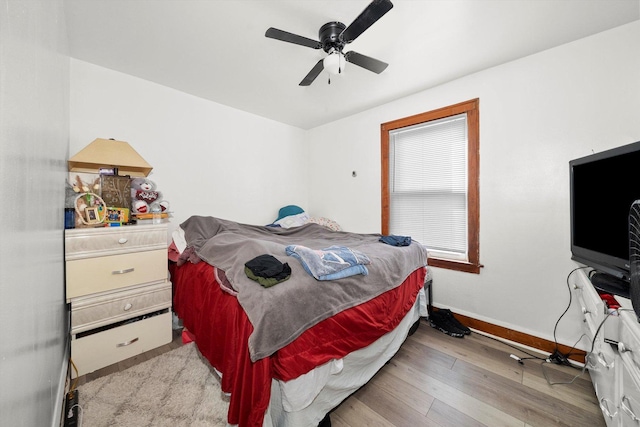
(34,133)
(536,114)
(208,159)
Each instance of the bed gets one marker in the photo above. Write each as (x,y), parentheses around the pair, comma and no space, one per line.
(289,353)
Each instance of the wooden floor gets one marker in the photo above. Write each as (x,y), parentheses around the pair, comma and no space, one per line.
(437,380)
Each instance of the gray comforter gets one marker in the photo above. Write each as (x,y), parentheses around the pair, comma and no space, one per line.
(279,314)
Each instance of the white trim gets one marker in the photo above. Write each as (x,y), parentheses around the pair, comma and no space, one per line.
(56,419)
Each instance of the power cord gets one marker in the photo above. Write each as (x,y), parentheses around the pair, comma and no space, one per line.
(80,413)
(513,356)
(72,401)
(75,382)
(584,368)
(557,356)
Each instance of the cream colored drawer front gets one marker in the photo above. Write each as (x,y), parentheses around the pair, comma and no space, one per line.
(86,243)
(113,345)
(91,275)
(92,312)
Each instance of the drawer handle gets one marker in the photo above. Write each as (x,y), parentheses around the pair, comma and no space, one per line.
(603,361)
(123,240)
(589,363)
(622,348)
(128,270)
(604,406)
(127,306)
(626,409)
(126,343)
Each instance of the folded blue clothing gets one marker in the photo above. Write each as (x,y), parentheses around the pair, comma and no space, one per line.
(332,263)
(396,240)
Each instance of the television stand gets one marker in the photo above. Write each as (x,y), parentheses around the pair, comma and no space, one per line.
(613,362)
(610,284)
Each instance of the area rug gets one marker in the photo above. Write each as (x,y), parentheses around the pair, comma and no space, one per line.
(175,389)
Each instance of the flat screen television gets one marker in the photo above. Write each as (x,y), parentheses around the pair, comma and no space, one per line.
(603,187)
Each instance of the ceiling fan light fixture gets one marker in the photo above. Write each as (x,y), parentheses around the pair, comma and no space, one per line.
(333,37)
(334,63)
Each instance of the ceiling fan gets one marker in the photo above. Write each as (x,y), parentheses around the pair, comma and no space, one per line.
(333,38)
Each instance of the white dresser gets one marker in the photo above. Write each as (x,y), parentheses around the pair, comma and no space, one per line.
(614,363)
(118,291)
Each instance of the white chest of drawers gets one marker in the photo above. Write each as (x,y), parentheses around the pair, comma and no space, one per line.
(119,295)
(613,359)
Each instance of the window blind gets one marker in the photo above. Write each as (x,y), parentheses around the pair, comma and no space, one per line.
(428,185)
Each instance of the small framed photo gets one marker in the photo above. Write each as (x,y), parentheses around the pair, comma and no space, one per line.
(117,215)
(91,215)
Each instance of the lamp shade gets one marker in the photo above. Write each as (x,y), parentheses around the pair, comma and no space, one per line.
(109,153)
(334,63)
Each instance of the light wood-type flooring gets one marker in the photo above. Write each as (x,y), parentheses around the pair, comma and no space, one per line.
(437,380)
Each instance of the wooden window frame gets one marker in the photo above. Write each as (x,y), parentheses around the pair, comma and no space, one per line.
(471,108)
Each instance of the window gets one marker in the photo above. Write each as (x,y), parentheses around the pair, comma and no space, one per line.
(430,191)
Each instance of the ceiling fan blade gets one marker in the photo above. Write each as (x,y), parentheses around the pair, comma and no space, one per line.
(274,33)
(366,62)
(315,71)
(373,12)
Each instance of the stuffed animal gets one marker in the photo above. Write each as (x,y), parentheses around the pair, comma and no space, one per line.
(79,186)
(145,198)
(76,186)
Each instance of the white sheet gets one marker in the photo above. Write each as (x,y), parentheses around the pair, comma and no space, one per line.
(179,239)
(305,402)
(298,393)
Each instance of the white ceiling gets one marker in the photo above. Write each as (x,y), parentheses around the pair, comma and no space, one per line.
(216,49)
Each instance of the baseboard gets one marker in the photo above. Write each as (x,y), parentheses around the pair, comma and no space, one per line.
(63,387)
(520,337)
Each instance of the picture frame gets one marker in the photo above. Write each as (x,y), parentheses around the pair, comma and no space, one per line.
(91,215)
(117,215)
(116,190)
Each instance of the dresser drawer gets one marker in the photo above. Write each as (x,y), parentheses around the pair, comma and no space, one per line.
(590,304)
(630,336)
(113,345)
(91,275)
(110,307)
(630,393)
(92,242)
(604,368)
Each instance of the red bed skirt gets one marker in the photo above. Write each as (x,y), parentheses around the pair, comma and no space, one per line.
(221,329)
